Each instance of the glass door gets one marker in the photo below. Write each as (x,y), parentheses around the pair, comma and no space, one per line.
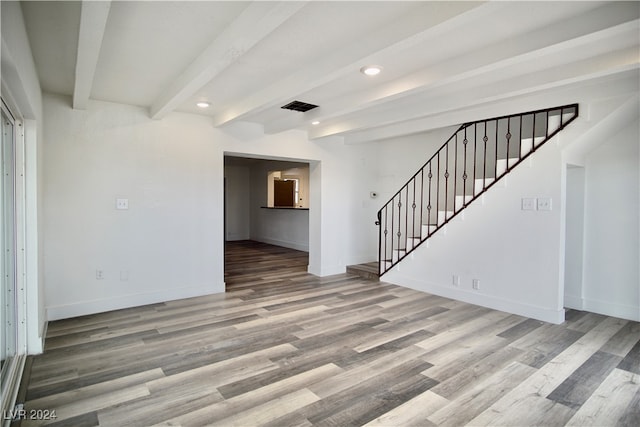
(8,295)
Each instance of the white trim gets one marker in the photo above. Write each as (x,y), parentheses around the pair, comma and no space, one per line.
(21,232)
(16,365)
(133,300)
(35,318)
(574,302)
(623,311)
(324,271)
(541,313)
(283,243)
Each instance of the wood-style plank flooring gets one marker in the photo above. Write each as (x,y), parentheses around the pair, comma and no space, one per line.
(285,348)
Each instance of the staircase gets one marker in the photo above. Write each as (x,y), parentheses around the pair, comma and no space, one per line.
(474,158)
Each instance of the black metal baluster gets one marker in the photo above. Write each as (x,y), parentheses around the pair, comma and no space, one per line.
(496,164)
(379,224)
(455,174)
(508,136)
(399,232)
(406,219)
(413,216)
(533,137)
(386,232)
(475,155)
(421,200)
(392,231)
(429,205)
(438,193)
(520,137)
(484,165)
(465,141)
(546,132)
(446,183)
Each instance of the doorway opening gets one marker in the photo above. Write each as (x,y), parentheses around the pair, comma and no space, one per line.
(574,238)
(267,204)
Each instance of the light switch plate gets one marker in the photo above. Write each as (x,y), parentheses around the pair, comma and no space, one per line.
(528,204)
(544,203)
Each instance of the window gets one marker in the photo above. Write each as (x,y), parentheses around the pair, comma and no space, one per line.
(12,329)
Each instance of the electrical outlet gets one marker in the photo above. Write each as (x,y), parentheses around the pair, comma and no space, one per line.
(99,274)
(476,284)
(455,280)
(124,276)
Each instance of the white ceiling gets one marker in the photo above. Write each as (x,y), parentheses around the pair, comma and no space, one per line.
(250,58)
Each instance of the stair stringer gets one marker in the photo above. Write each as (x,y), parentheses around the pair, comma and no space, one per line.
(516,255)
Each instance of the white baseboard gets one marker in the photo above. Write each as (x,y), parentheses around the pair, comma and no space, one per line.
(125,301)
(489,301)
(623,311)
(323,271)
(574,302)
(284,243)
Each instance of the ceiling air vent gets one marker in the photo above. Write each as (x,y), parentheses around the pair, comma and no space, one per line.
(299,106)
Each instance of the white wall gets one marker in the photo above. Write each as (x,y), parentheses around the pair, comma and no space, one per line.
(21,88)
(612,232)
(281,227)
(574,246)
(238,202)
(169,243)
(523,259)
(514,253)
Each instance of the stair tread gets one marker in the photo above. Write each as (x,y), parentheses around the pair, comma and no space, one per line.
(367,270)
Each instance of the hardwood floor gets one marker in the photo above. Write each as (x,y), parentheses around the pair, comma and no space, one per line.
(285,348)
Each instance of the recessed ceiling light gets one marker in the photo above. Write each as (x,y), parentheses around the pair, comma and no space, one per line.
(371,70)
(315,122)
(203,104)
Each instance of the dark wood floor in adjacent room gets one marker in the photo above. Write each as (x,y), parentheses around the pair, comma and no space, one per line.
(284,348)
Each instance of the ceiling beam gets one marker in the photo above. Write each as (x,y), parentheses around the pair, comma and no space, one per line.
(93,21)
(433,19)
(558,37)
(500,99)
(541,65)
(257,21)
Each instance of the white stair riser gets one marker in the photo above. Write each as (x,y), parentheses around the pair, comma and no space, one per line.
(480,184)
(527,145)
(501,165)
(462,200)
(554,121)
(413,242)
(443,216)
(427,229)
